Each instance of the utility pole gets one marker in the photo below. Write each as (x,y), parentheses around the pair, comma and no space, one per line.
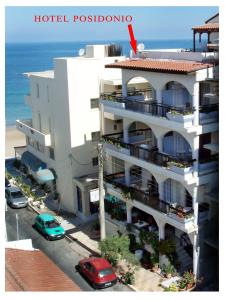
(17,228)
(101,192)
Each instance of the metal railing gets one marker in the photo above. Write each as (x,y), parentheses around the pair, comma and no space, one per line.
(209,108)
(148,198)
(150,155)
(147,106)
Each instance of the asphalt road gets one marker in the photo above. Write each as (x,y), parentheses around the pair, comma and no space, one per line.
(62,252)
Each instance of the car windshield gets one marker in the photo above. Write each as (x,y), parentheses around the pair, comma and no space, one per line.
(17,194)
(52,224)
(105,272)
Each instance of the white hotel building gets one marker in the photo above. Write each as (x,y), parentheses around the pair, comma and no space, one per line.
(161,144)
(159,121)
(63,132)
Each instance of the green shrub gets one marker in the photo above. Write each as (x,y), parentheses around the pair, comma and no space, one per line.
(117,247)
(167,247)
(128,277)
(149,238)
(8,175)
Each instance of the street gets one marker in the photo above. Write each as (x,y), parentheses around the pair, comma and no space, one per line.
(62,252)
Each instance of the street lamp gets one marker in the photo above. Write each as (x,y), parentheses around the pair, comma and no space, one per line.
(101,192)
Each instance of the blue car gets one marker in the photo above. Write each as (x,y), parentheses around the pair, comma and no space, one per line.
(49,227)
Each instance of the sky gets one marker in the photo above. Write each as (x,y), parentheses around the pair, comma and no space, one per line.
(148,23)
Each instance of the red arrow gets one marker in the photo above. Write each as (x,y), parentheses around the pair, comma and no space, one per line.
(133,42)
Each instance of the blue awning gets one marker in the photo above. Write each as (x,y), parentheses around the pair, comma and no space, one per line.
(45,175)
(33,162)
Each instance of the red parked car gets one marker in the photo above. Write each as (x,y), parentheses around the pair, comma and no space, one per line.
(98,271)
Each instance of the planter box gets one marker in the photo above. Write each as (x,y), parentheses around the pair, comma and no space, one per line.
(187,120)
(119,149)
(181,171)
(114,104)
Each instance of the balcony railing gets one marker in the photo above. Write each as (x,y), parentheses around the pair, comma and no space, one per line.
(147,198)
(150,155)
(209,108)
(147,106)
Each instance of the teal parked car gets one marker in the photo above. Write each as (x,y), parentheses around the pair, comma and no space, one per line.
(49,227)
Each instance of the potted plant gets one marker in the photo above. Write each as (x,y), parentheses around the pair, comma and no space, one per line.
(169,270)
(182,284)
(189,277)
(185,117)
(172,288)
(179,167)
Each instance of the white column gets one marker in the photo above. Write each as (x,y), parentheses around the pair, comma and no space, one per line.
(129,215)
(127,173)
(161,190)
(125,135)
(160,143)
(195,154)
(195,204)
(161,226)
(195,255)
(124,89)
(159,96)
(195,99)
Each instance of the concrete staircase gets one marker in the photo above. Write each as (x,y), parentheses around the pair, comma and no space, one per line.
(186,262)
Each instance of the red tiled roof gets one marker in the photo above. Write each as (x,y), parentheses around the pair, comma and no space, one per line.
(34,271)
(162,66)
(207,27)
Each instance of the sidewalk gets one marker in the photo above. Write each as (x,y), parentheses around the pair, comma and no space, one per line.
(81,233)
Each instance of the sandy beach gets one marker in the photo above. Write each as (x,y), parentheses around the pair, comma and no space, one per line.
(13,138)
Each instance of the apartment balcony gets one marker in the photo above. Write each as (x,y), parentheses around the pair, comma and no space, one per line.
(209,113)
(148,201)
(26,127)
(139,154)
(148,110)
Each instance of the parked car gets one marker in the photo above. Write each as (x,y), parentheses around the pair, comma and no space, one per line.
(98,272)
(49,227)
(15,198)
(7,183)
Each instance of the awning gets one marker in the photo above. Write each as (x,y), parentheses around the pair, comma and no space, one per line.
(33,162)
(45,175)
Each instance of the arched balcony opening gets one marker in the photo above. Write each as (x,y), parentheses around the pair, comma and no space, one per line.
(140,134)
(176,195)
(138,88)
(143,220)
(176,95)
(177,146)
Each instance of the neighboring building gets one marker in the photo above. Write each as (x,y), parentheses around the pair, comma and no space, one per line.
(161,145)
(32,271)
(64,130)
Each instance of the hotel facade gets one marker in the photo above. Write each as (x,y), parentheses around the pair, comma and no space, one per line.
(162,160)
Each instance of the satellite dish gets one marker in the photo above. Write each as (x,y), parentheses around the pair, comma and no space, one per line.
(141,47)
(81,52)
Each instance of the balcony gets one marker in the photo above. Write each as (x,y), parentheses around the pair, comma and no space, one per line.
(181,164)
(209,113)
(149,198)
(145,106)
(115,103)
(25,126)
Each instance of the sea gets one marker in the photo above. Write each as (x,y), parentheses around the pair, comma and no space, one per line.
(33,57)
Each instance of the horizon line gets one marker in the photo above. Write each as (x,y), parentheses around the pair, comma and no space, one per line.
(103,40)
